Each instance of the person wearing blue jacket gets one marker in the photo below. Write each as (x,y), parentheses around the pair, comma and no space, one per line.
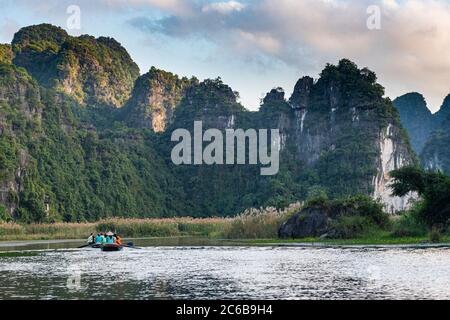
(100,239)
(109,239)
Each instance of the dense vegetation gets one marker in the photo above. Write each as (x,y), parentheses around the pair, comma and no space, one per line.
(94,72)
(436,153)
(78,139)
(434,191)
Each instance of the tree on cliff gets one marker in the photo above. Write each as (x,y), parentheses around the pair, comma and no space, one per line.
(433,189)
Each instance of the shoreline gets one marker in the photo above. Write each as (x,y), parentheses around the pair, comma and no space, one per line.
(368,246)
(193,241)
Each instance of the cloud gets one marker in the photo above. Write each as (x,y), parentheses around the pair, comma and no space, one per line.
(410,52)
(178,7)
(223,7)
(7,29)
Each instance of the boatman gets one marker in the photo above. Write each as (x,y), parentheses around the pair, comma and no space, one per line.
(91,239)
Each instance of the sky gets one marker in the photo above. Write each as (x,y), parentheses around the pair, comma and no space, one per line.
(256,45)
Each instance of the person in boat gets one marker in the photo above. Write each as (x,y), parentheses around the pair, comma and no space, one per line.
(110,238)
(118,240)
(91,239)
(101,239)
(98,238)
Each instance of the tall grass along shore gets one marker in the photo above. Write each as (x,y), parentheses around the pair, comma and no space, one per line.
(251,224)
(255,225)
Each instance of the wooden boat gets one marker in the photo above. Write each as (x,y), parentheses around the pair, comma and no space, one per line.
(111,247)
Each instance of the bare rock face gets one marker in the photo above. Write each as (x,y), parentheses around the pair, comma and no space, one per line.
(300,98)
(393,155)
(154,99)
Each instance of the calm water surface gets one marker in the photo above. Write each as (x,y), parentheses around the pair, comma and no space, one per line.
(228,272)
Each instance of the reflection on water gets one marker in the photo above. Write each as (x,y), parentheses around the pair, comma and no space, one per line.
(147,242)
(228,273)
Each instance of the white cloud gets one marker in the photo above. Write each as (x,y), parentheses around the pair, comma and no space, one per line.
(410,52)
(223,7)
(264,42)
(179,7)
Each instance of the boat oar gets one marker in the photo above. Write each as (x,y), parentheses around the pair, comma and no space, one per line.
(130,245)
(84,246)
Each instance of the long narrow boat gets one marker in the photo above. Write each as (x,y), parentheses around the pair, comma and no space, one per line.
(111,247)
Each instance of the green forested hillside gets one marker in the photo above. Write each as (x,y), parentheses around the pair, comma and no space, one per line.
(83,136)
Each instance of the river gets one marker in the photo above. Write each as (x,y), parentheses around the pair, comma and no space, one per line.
(210,271)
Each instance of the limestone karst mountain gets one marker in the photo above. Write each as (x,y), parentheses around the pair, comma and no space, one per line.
(430,133)
(91,71)
(83,136)
(416,118)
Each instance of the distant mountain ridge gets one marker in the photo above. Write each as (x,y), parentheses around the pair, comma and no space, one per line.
(430,133)
(84,136)
(416,118)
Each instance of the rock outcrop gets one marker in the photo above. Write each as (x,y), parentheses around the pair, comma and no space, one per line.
(311,222)
(94,72)
(343,218)
(342,127)
(154,99)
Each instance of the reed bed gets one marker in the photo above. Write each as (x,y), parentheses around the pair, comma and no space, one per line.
(260,223)
(170,227)
(13,231)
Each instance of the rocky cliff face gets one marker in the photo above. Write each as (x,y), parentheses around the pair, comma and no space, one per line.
(394,154)
(155,97)
(342,128)
(94,72)
(73,147)
(338,133)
